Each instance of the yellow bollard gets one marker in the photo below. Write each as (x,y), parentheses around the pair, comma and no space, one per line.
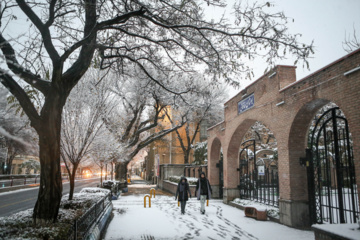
(178,204)
(207,202)
(152,190)
(147,196)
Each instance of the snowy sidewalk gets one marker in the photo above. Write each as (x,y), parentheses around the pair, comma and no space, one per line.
(163,221)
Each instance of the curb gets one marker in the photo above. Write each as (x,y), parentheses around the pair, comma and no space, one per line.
(14,188)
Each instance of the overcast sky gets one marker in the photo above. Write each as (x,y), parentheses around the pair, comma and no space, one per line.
(324,21)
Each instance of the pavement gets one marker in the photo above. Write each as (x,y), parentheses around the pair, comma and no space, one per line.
(138,186)
(164,221)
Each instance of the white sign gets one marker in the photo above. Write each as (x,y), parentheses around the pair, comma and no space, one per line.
(261,170)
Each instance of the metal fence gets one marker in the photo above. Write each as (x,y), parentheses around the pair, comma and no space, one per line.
(81,226)
(195,170)
(18,180)
(261,188)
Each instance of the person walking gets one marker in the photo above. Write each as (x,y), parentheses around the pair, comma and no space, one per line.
(203,191)
(183,192)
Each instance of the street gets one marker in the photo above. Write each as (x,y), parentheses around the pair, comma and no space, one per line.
(20,200)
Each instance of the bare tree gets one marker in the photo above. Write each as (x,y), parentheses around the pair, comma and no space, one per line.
(105,150)
(20,137)
(172,37)
(143,109)
(82,121)
(351,43)
(204,103)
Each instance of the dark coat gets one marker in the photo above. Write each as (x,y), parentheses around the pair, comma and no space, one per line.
(206,189)
(183,195)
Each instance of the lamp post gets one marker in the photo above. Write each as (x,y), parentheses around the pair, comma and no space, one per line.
(101,171)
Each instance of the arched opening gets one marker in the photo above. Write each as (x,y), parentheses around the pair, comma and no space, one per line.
(215,168)
(232,157)
(331,171)
(258,165)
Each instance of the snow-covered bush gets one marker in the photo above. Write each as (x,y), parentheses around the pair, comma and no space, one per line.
(176,179)
(200,153)
(20,225)
(100,191)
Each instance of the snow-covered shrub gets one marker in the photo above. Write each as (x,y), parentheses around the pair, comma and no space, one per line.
(20,225)
(176,179)
(200,153)
(84,199)
(100,191)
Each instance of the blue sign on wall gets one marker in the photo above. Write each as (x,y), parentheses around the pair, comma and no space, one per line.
(246,104)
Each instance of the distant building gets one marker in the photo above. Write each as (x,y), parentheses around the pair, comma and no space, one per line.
(168,149)
(18,168)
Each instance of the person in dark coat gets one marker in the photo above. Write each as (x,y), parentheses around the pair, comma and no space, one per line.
(203,191)
(183,192)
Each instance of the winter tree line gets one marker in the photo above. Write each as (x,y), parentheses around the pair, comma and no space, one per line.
(104,71)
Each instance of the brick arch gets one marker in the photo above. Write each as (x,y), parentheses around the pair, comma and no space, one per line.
(297,143)
(286,106)
(214,157)
(232,154)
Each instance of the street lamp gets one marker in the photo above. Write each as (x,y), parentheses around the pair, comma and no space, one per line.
(101,171)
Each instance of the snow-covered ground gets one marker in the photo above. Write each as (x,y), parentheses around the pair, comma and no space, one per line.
(164,221)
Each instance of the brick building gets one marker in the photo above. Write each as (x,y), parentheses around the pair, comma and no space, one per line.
(168,149)
(287,107)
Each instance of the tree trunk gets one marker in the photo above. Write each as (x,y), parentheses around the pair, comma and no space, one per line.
(9,161)
(186,157)
(101,173)
(121,171)
(72,181)
(47,205)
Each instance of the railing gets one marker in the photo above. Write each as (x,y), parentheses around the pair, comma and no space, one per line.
(195,170)
(261,188)
(20,180)
(82,225)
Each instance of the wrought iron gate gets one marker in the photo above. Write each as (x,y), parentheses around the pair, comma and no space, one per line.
(257,182)
(331,174)
(221,177)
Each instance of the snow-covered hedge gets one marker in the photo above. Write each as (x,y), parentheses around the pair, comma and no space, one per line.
(20,226)
(176,179)
(99,191)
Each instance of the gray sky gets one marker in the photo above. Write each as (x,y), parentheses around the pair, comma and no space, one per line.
(324,21)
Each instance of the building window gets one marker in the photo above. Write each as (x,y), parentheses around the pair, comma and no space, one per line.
(203,130)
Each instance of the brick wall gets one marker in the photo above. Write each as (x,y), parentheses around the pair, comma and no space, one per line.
(171,187)
(287,107)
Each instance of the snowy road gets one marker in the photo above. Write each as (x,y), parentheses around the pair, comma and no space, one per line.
(19,200)
(163,221)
